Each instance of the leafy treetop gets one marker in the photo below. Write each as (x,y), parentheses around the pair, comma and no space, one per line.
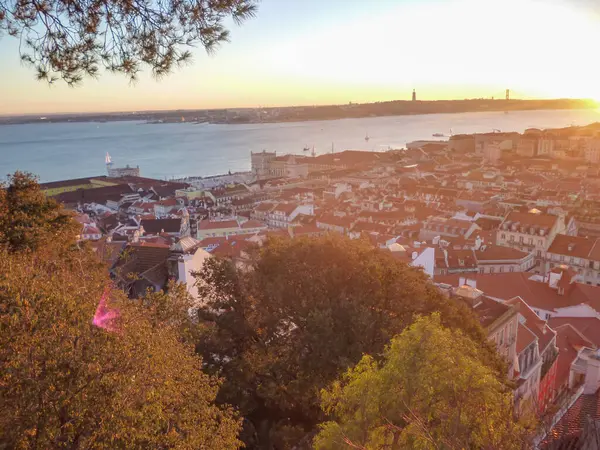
(299,314)
(71,39)
(66,383)
(431,391)
(28,218)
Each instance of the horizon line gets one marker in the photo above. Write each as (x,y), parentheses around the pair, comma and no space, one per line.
(124,112)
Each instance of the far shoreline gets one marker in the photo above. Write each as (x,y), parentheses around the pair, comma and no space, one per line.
(310,114)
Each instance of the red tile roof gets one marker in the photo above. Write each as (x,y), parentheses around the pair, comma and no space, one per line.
(264,207)
(217,225)
(568,341)
(286,208)
(210,241)
(305,230)
(253,224)
(535,293)
(498,252)
(589,327)
(531,220)
(489,311)
(330,219)
(524,338)
(534,323)
(578,247)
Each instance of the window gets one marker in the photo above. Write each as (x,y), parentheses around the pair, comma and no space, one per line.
(539,253)
(520,239)
(562,258)
(530,241)
(503,236)
(501,269)
(512,238)
(571,260)
(540,242)
(512,269)
(492,270)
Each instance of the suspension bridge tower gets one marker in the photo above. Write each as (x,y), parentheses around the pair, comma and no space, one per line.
(508,94)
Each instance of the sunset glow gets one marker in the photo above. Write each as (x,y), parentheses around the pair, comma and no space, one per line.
(371,51)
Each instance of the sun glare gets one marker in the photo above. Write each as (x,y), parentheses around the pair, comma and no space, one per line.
(509,47)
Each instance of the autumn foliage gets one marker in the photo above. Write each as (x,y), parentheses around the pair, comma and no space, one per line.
(301,312)
(66,383)
(262,363)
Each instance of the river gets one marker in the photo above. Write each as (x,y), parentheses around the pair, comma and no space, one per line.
(71,150)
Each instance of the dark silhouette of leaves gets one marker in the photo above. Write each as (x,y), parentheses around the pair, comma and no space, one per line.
(72,39)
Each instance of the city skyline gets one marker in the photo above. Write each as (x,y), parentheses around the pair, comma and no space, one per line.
(338,52)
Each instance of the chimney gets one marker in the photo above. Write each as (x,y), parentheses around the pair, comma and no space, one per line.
(592,374)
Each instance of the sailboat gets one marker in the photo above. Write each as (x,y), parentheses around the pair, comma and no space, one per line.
(107,159)
(367,137)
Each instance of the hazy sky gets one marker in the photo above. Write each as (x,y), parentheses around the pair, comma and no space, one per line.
(337,51)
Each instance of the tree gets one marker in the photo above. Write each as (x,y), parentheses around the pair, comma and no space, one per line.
(431,391)
(67,383)
(71,39)
(297,315)
(29,218)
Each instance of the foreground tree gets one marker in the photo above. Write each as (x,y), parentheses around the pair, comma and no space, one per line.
(73,378)
(297,316)
(28,218)
(431,391)
(71,39)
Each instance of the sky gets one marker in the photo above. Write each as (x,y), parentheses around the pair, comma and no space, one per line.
(338,51)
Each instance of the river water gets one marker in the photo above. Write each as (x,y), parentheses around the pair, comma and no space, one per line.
(70,150)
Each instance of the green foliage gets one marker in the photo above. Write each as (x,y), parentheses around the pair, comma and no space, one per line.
(431,391)
(71,39)
(66,383)
(299,315)
(28,218)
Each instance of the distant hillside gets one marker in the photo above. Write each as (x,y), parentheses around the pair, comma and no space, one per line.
(305,113)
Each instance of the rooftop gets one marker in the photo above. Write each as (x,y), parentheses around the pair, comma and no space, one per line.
(536,294)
